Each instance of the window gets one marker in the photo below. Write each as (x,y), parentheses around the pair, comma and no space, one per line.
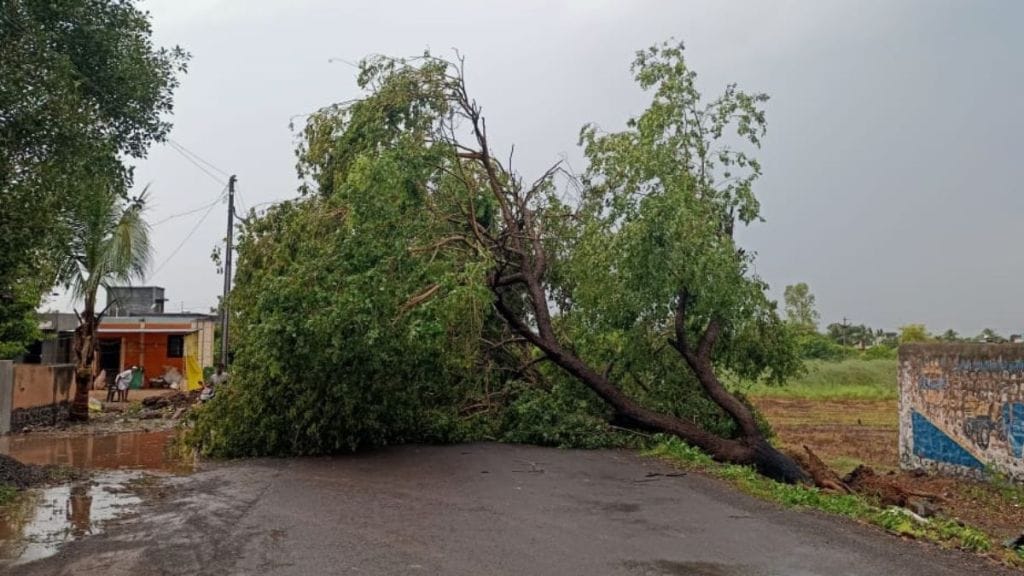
(175,346)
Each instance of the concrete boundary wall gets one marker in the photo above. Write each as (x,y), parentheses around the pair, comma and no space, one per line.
(962,408)
(6,394)
(34,394)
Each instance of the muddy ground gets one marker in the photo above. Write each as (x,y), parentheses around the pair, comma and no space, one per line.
(847,432)
(480,509)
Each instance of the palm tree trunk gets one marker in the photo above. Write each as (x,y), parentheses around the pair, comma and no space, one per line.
(85,355)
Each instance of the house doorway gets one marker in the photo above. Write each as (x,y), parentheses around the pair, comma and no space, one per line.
(110,358)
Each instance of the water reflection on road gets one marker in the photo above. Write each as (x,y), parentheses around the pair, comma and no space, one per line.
(136,450)
(47,518)
(54,516)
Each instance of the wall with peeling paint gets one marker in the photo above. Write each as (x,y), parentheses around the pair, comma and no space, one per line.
(962,408)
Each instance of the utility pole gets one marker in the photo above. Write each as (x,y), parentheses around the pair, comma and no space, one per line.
(227,273)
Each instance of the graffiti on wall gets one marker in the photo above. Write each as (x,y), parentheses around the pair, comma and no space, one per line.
(962,407)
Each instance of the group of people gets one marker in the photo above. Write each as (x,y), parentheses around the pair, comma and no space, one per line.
(118,392)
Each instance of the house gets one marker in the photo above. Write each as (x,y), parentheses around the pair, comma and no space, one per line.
(157,343)
(55,347)
(136,331)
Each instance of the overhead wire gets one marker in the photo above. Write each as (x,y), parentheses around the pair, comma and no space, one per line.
(189,235)
(188,212)
(198,158)
(186,155)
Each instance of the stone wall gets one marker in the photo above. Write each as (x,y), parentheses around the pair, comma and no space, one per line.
(962,408)
(48,415)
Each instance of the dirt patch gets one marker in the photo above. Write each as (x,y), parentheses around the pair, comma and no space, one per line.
(146,411)
(846,433)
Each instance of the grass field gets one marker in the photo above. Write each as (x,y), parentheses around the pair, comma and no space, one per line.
(846,379)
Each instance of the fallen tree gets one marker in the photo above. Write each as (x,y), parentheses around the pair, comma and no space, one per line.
(649,198)
(635,287)
(627,279)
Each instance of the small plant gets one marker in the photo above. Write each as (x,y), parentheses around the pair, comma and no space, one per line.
(7,494)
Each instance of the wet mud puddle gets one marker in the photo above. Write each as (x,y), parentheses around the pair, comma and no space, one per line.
(47,518)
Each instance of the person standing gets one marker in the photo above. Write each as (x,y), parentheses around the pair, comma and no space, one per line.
(115,387)
(219,377)
(124,379)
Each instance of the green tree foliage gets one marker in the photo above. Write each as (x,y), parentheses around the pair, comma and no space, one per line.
(989,335)
(914,333)
(857,335)
(355,324)
(17,318)
(800,311)
(109,244)
(366,312)
(82,88)
(950,336)
(817,346)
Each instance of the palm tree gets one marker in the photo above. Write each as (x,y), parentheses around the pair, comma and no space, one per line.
(109,244)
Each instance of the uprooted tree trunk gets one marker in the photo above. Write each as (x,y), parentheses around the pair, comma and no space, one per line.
(519,276)
(751,448)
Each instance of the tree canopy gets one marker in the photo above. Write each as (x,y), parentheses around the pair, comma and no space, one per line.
(800,310)
(914,333)
(82,90)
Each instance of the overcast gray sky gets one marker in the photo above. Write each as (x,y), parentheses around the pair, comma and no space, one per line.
(891,167)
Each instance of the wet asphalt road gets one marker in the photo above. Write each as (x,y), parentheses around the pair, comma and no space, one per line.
(479,510)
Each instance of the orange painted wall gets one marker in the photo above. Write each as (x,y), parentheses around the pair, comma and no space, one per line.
(41,384)
(148,351)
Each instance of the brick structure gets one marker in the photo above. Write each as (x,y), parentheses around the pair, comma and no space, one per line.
(157,343)
(962,408)
(35,395)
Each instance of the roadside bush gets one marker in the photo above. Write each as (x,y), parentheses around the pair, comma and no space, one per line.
(815,346)
(880,352)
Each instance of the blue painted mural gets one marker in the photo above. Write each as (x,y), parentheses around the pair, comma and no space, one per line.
(932,443)
(933,383)
(1011,366)
(962,408)
(1013,426)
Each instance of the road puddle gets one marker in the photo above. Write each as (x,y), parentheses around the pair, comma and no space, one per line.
(47,518)
(131,450)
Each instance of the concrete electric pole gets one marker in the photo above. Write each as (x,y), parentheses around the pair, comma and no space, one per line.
(227,273)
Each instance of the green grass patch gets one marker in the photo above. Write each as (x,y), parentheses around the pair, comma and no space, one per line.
(944,531)
(8,494)
(854,378)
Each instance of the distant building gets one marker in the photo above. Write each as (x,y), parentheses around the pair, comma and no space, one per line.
(55,347)
(134,331)
(135,300)
(157,343)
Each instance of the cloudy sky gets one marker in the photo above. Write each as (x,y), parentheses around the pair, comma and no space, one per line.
(892,163)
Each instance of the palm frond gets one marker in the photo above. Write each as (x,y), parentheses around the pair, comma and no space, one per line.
(110,243)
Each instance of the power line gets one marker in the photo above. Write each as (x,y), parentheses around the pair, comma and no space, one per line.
(199,158)
(185,155)
(193,211)
(189,235)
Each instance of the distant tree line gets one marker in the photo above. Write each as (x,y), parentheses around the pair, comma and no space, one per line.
(844,339)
